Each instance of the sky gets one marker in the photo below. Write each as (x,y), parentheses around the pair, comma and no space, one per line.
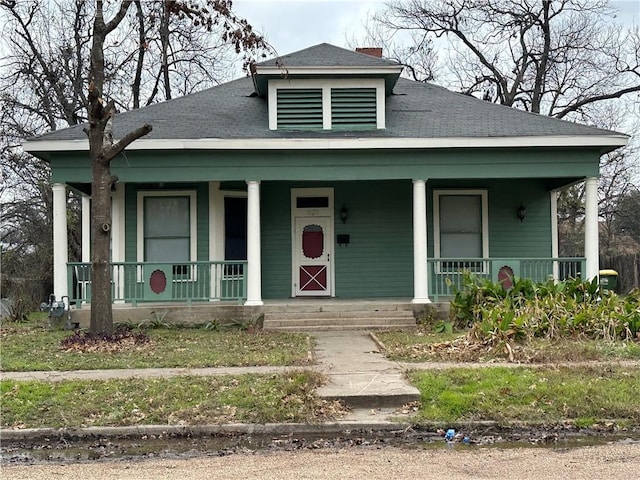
(292,25)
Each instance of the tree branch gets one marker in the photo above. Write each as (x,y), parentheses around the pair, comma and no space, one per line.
(607,96)
(129,138)
(115,21)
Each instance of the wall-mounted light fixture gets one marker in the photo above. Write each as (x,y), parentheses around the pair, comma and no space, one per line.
(521,212)
(344,214)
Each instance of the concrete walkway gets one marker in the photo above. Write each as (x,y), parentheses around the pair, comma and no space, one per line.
(359,374)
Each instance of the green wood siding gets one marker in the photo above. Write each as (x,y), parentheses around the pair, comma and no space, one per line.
(275,219)
(353,108)
(195,166)
(379,260)
(508,237)
(299,108)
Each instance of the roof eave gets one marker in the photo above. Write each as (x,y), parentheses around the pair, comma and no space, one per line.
(391,73)
(329,70)
(605,143)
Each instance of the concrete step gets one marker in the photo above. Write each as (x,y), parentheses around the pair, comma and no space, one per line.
(340,319)
(338,328)
(357,391)
(293,322)
(337,315)
(302,307)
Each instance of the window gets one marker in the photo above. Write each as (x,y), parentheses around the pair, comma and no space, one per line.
(461,228)
(329,104)
(167,228)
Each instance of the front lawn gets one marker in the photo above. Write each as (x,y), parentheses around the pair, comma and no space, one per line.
(31,347)
(551,395)
(285,397)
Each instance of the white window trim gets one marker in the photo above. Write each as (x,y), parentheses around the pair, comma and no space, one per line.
(326,85)
(485,218)
(193,219)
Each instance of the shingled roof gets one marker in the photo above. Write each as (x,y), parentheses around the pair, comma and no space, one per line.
(414,110)
(327,55)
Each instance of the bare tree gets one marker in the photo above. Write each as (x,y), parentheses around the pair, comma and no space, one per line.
(564,58)
(101,148)
(44,74)
(101,152)
(550,57)
(415,51)
(40,89)
(44,77)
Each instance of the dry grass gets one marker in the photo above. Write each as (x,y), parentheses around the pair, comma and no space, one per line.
(425,346)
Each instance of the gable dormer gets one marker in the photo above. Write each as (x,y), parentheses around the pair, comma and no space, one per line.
(326,88)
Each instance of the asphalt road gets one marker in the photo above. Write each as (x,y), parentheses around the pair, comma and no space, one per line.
(619,461)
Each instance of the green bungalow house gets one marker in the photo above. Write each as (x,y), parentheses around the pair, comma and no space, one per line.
(323,175)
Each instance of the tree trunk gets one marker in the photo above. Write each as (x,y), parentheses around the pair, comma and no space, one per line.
(101,312)
(101,152)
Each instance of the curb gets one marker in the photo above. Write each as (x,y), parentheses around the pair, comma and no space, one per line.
(30,434)
(430,429)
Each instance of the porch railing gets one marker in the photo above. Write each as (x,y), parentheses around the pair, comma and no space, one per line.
(131,282)
(447,273)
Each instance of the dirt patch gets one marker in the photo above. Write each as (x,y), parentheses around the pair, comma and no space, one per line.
(122,340)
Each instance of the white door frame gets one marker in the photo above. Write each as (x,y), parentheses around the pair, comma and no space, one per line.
(312,212)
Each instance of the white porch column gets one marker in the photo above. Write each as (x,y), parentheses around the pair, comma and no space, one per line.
(86,229)
(554,233)
(591,228)
(216,238)
(420,271)
(118,240)
(60,246)
(254,272)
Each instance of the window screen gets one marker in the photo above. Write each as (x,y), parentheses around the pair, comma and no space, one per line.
(166,229)
(460,226)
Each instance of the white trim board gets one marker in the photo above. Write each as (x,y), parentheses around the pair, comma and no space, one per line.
(331,143)
(333,70)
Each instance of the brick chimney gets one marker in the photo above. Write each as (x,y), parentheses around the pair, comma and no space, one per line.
(371,51)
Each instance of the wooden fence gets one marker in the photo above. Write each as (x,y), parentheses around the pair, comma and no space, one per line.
(628,268)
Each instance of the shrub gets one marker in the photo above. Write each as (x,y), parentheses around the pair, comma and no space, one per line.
(552,310)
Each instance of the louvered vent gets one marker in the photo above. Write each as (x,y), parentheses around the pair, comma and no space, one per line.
(353,108)
(300,109)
